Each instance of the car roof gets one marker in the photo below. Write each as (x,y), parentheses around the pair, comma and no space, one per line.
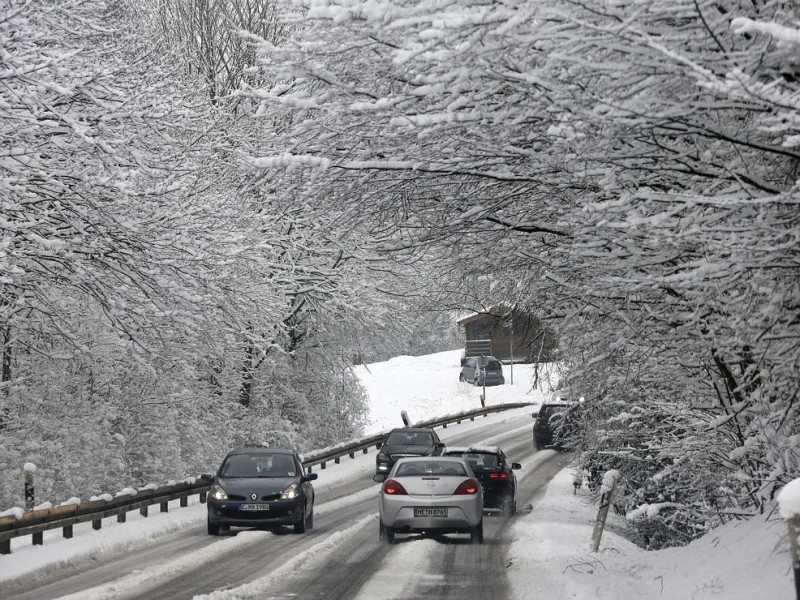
(411,429)
(261,450)
(468,449)
(404,459)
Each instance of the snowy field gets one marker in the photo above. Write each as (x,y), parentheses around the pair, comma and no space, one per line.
(551,548)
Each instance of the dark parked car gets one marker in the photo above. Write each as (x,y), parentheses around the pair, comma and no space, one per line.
(261,487)
(491,372)
(555,424)
(406,441)
(495,474)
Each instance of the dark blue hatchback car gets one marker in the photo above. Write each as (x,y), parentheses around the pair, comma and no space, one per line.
(261,487)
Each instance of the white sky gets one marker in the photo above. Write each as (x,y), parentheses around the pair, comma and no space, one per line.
(551,548)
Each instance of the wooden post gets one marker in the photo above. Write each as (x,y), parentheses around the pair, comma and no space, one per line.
(602,513)
(794,531)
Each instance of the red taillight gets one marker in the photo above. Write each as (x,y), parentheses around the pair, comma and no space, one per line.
(498,475)
(470,486)
(536,424)
(394,488)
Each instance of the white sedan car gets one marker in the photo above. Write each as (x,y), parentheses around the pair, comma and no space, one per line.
(435,494)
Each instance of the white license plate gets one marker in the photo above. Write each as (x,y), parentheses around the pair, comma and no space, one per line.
(254,507)
(430,512)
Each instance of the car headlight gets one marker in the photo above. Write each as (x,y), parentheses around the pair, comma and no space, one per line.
(291,492)
(217,493)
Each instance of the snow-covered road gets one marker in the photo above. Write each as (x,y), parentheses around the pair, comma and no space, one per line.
(340,558)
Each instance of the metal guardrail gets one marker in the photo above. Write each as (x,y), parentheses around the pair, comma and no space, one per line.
(35,522)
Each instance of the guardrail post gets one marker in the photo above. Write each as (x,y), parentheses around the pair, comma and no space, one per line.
(143,511)
(5,546)
(184,501)
(203,494)
(29,470)
(66,532)
(97,524)
(37,538)
(165,507)
(122,516)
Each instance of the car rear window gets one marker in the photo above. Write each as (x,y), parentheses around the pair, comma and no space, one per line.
(494,366)
(431,467)
(478,460)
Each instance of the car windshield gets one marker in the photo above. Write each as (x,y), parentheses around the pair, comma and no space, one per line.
(409,438)
(549,411)
(259,465)
(431,467)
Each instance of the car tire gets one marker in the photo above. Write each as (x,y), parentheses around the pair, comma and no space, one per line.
(508,506)
(476,533)
(302,524)
(385,534)
(213,528)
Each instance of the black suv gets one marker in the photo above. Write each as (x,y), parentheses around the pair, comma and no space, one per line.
(555,424)
(495,473)
(261,487)
(406,441)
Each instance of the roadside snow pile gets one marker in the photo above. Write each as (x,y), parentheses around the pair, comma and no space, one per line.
(741,560)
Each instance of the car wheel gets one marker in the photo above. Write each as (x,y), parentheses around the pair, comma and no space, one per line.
(302,524)
(507,506)
(213,529)
(476,533)
(385,534)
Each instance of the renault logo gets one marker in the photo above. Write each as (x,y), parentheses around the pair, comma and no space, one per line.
(253,496)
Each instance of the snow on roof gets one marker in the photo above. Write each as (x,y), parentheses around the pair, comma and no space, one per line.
(467,449)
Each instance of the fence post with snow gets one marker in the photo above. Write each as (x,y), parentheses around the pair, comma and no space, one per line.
(610,480)
(789,506)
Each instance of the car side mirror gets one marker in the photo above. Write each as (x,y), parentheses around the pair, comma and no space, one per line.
(379,477)
(440,444)
(207,477)
(310,476)
(516,466)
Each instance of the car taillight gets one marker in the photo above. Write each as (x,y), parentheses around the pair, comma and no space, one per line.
(470,486)
(393,488)
(498,475)
(536,424)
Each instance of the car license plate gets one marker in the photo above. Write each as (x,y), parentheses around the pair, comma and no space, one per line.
(254,507)
(430,512)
